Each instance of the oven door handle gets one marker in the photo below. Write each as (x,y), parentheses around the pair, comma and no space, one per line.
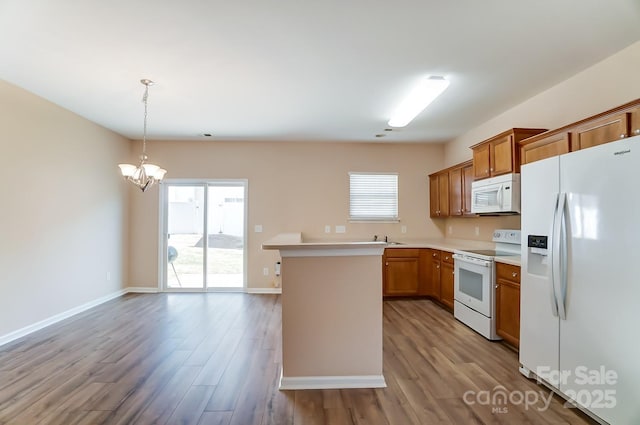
(470,260)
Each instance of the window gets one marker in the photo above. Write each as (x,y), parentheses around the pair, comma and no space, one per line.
(373,196)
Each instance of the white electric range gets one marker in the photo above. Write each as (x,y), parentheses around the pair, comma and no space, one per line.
(475,281)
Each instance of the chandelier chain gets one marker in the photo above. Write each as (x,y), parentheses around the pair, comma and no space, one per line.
(145,99)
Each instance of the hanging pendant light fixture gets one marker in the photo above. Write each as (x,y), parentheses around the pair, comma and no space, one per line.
(143,175)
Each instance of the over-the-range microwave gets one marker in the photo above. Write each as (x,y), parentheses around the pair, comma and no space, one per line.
(496,195)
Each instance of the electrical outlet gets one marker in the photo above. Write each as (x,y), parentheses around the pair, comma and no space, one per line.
(265,271)
(403,229)
(341,229)
(327,228)
(450,230)
(258,228)
(477,230)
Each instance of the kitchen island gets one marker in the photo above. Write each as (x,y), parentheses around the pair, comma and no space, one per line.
(331,313)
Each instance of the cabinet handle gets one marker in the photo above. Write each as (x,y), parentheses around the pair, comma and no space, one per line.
(446,258)
(386,264)
(491,168)
(622,136)
(437,266)
(637,131)
(433,255)
(486,171)
(514,274)
(496,286)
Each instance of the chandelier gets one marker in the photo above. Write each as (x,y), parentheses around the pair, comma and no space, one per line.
(143,175)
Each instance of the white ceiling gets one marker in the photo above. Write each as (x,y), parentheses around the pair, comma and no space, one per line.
(300,69)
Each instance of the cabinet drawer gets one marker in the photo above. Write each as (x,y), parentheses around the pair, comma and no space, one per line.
(434,254)
(446,256)
(401,252)
(508,272)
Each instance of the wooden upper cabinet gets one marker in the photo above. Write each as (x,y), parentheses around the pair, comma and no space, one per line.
(455,192)
(439,194)
(537,147)
(443,189)
(501,156)
(635,122)
(434,196)
(498,155)
(609,126)
(600,131)
(467,179)
(481,162)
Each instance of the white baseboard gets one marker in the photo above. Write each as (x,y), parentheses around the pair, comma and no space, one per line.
(263,290)
(12,336)
(141,290)
(331,382)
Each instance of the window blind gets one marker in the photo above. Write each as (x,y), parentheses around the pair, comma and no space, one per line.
(373,196)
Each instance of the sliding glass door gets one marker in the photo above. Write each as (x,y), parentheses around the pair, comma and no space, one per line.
(204,235)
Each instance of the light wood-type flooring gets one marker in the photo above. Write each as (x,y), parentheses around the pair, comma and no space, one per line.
(215,359)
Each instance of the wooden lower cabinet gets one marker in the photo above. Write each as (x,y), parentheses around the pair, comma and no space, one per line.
(508,303)
(446,281)
(401,268)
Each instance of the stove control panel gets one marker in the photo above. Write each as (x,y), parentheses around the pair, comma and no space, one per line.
(507,236)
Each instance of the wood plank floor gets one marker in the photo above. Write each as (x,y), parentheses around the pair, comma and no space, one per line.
(215,359)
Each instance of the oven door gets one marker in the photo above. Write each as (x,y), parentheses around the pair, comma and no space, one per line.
(473,283)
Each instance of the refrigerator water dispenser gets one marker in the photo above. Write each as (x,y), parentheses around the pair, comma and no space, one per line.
(537,255)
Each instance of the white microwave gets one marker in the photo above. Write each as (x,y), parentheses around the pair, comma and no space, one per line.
(496,195)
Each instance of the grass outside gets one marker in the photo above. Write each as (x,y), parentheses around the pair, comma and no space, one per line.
(224,264)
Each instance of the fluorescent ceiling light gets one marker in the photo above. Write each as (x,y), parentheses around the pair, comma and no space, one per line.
(420,97)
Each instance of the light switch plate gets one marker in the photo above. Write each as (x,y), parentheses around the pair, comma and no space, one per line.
(327,228)
(403,229)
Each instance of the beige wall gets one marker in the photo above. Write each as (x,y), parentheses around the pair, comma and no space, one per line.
(293,187)
(63,210)
(605,85)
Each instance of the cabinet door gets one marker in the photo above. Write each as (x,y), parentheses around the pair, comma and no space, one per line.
(401,276)
(434,196)
(546,147)
(508,303)
(467,179)
(446,284)
(501,156)
(600,131)
(443,192)
(635,122)
(508,311)
(455,192)
(435,278)
(481,162)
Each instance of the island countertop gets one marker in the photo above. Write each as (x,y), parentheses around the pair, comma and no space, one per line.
(293,244)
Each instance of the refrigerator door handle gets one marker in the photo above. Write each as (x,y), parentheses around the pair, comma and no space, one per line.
(559,256)
(563,258)
(554,255)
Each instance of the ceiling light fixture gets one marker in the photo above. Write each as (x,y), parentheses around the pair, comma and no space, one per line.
(420,97)
(143,175)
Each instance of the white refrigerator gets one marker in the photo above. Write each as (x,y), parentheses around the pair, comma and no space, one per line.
(580,278)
